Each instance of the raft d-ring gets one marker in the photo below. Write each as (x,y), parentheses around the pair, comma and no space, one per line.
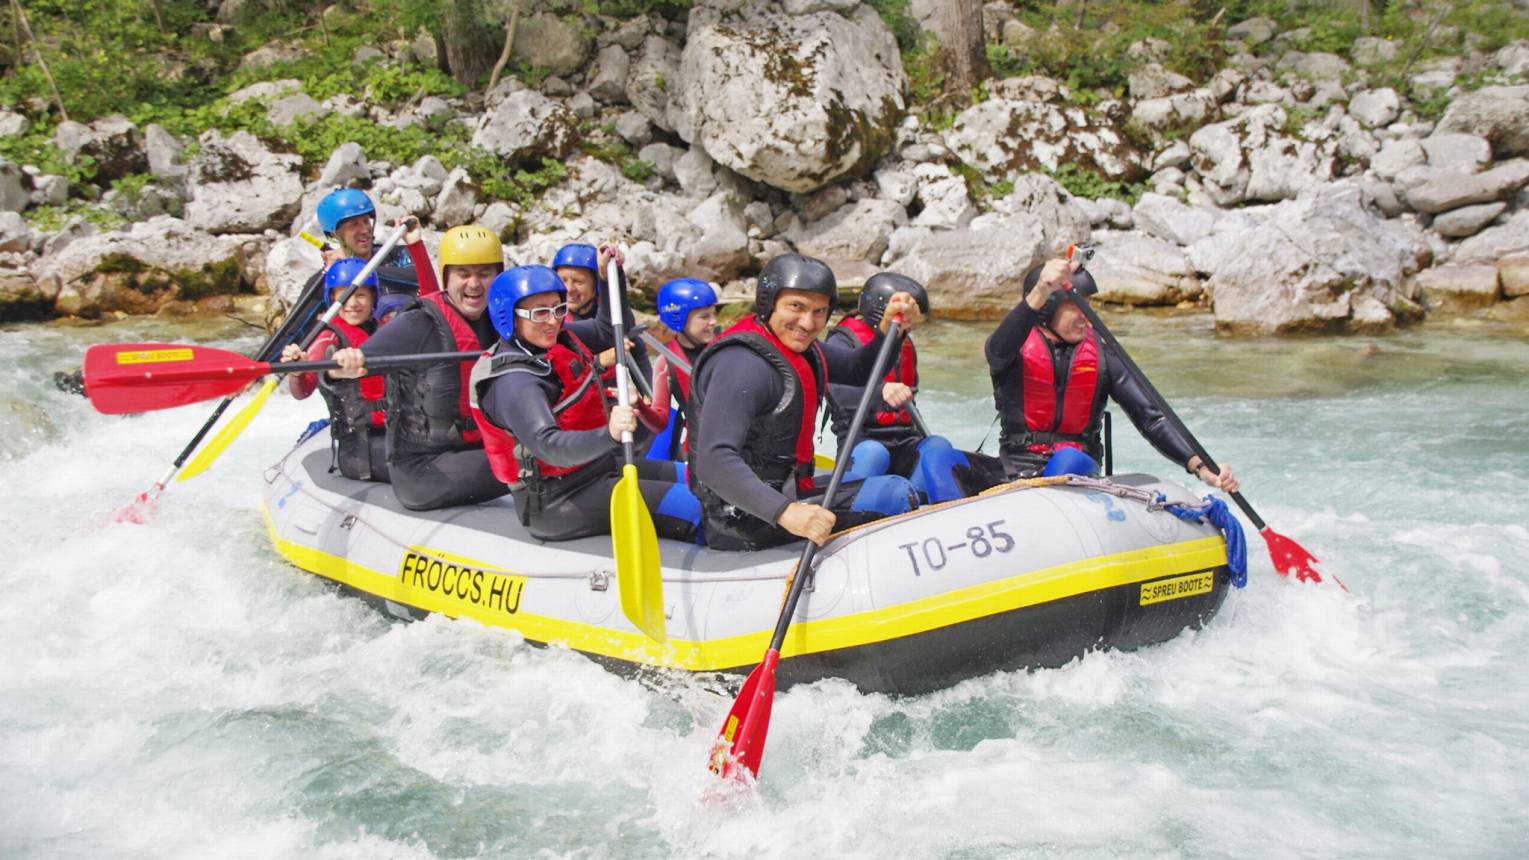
(348,522)
(599,580)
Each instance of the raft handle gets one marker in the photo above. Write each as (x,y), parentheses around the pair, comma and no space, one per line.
(599,580)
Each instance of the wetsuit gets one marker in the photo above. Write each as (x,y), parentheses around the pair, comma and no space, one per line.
(1025,449)
(750,444)
(557,452)
(893,428)
(435,455)
(356,415)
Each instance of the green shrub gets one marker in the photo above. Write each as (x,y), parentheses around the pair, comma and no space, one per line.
(1086,183)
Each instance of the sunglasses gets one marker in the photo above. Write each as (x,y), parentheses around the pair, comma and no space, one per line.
(543,315)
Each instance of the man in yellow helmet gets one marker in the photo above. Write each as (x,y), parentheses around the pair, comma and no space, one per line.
(435,451)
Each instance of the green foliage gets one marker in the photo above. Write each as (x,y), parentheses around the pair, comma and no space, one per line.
(1296,118)
(637,170)
(903,25)
(1086,183)
(50,218)
(36,148)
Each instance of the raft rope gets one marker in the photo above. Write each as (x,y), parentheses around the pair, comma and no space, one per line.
(1215,511)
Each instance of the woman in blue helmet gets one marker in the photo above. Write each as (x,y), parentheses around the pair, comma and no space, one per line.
(548,429)
(357,414)
(687,307)
(581,268)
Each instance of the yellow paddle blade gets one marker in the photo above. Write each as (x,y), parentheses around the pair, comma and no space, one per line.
(228,434)
(636,550)
(823,462)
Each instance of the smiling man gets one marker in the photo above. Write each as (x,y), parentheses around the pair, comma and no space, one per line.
(754,406)
(435,451)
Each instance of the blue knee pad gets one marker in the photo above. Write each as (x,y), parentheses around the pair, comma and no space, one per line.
(680,504)
(868,459)
(935,478)
(884,494)
(1070,461)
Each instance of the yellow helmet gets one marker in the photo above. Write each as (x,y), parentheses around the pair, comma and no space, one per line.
(470,246)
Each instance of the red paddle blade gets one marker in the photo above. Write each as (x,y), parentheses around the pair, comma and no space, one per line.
(140,511)
(740,744)
(1290,557)
(141,377)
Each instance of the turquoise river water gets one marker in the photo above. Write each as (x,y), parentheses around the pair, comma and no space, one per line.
(175,690)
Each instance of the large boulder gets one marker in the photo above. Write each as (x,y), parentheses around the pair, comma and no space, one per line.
(1458,289)
(649,78)
(1453,190)
(1467,220)
(1001,137)
(943,199)
(1499,114)
(113,143)
(1494,243)
(458,198)
(977,273)
(1166,218)
(527,126)
(1250,158)
(141,268)
(15,187)
(1136,269)
(795,102)
(722,251)
(850,239)
(237,185)
(288,266)
(1062,218)
(609,84)
(1310,262)
(1174,112)
(551,43)
(1375,108)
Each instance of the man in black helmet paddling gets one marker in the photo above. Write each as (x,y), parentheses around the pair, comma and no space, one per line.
(754,404)
(1052,376)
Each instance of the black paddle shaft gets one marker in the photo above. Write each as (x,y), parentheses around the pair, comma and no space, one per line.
(803,567)
(1160,403)
(379,363)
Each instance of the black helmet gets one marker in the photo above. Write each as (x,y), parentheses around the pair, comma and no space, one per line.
(793,272)
(880,289)
(1082,285)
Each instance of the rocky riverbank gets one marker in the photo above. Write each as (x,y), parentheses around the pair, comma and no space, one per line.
(1288,192)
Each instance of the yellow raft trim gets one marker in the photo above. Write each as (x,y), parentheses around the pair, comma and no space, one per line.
(806,637)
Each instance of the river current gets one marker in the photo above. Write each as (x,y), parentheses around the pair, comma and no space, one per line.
(176,690)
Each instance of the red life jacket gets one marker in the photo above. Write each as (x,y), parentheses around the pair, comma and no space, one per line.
(904,370)
(580,403)
(681,378)
(1043,412)
(373,388)
(809,387)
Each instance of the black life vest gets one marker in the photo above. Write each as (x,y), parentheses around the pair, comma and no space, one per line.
(779,445)
(428,410)
(580,403)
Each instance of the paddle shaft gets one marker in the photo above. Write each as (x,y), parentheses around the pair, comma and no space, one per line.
(1162,404)
(623,393)
(674,358)
(803,566)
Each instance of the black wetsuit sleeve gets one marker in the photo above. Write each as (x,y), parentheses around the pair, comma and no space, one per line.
(1150,421)
(596,332)
(749,390)
(409,333)
(520,402)
(852,365)
(1003,345)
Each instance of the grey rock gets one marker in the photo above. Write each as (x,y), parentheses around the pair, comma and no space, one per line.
(1456,289)
(1000,137)
(943,196)
(1149,48)
(1152,81)
(633,128)
(237,185)
(1375,108)
(428,175)
(1248,158)
(13,124)
(1140,270)
(499,217)
(975,273)
(15,187)
(1225,83)
(1499,114)
(1396,156)
(850,239)
(1513,58)
(583,105)
(1176,112)
(545,41)
(1412,177)
(1035,195)
(696,173)
(1467,220)
(270,55)
(366,54)
(506,87)
(48,190)
(289,109)
(1175,154)
(342,104)
(1307,261)
(164,153)
(346,166)
(1315,66)
(527,125)
(288,266)
(760,219)
(113,142)
(628,34)
(653,73)
(163,244)
(265,92)
(1462,153)
(1382,196)
(423,49)
(1426,84)
(458,198)
(1017,32)
(15,233)
(609,85)
(1370,51)
(662,156)
(1453,190)
(823,201)
(1495,242)
(834,85)
(1026,88)
(1253,31)
(432,108)
(807,7)
(1172,221)
(1266,92)
(556,87)
(1513,272)
(722,252)
(899,186)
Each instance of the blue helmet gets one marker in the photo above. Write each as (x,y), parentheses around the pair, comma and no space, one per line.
(340,205)
(579,256)
(342,273)
(517,284)
(679,297)
(392,303)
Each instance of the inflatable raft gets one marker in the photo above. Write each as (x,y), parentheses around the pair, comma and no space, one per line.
(1025,575)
